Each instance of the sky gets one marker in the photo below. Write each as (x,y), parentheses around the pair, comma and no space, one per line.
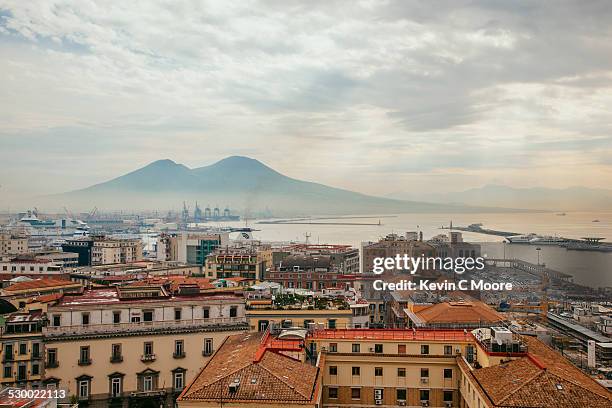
(374,96)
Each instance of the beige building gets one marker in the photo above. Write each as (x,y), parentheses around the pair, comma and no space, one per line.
(190,248)
(259,320)
(106,251)
(22,350)
(232,264)
(12,244)
(130,345)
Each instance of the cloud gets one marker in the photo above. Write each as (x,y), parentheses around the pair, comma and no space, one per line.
(333,90)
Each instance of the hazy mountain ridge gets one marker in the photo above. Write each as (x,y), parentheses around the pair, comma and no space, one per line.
(539,198)
(243,184)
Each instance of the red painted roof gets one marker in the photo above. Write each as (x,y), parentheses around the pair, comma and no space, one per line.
(393,334)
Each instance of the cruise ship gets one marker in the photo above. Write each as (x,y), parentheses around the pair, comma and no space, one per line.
(537,239)
(522,239)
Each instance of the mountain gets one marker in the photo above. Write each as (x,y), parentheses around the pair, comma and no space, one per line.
(538,198)
(242,183)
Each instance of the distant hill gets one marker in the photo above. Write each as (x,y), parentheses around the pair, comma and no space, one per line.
(242,183)
(568,199)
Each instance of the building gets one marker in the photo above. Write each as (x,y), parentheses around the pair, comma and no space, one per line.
(309,272)
(81,247)
(66,260)
(457,315)
(252,371)
(393,245)
(13,244)
(22,350)
(191,248)
(453,246)
(107,251)
(232,264)
(29,264)
(129,345)
(260,320)
(20,293)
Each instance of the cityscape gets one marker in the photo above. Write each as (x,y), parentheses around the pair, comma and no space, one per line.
(305,204)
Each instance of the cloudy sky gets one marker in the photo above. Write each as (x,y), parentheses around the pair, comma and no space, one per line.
(374,96)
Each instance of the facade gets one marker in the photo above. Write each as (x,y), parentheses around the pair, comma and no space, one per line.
(22,350)
(127,346)
(30,265)
(107,251)
(81,247)
(230,264)
(13,244)
(309,272)
(191,248)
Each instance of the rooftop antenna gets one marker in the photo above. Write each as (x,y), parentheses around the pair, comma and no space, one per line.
(307,235)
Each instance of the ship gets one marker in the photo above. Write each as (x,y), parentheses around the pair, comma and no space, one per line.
(521,239)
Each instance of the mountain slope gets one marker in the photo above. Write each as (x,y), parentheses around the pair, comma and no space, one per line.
(241,183)
(540,198)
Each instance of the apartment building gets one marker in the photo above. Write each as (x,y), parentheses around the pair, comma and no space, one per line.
(22,350)
(26,264)
(128,345)
(191,248)
(13,244)
(393,245)
(107,251)
(232,264)
(390,367)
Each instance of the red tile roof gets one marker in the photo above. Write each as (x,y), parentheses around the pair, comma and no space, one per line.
(45,283)
(274,378)
(458,312)
(542,379)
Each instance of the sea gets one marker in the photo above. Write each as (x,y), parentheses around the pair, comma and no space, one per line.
(590,268)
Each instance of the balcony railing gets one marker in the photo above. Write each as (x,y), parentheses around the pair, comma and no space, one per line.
(141,326)
(85,362)
(116,359)
(147,357)
(179,355)
(52,364)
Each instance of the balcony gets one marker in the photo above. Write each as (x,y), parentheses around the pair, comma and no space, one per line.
(91,329)
(85,362)
(147,358)
(179,355)
(52,364)
(207,353)
(116,359)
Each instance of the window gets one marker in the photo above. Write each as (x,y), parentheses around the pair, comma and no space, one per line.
(84,389)
(356,348)
(206,313)
(35,350)
(147,383)
(177,314)
(115,387)
(356,371)
(331,323)
(116,317)
(355,393)
(84,355)
(401,349)
(8,371)
(208,347)
(448,396)
(448,373)
(179,348)
(35,369)
(52,358)
(333,347)
(424,395)
(333,370)
(378,371)
(8,352)
(85,320)
(448,350)
(378,348)
(148,348)
(136,319)
(116,352)
(424,372)
(401,372)
(179,380)
(233,311)
(333,392)
(424,349)
(400,394)
(23,348)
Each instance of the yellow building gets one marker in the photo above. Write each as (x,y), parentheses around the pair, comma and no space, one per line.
(12,244)
(130,345)
(22,350)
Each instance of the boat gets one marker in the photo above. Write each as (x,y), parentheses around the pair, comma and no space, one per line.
(521,239)
(548,240)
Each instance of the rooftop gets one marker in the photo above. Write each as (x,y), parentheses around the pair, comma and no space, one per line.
(44,283)
(239,371)
(541,379)
(393,334)
(455,312)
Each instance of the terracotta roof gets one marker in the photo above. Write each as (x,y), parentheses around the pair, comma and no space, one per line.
(272,378)
(175,281)
(39,284)
(46,298)
(542,379)
(458,312)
